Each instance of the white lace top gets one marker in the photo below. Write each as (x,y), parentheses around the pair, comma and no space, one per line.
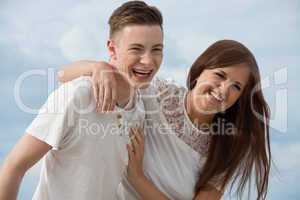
(175,150)
(172,100)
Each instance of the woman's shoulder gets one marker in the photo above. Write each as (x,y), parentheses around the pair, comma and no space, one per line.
(167,88)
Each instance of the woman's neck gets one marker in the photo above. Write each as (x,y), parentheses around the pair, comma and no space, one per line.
(196,116)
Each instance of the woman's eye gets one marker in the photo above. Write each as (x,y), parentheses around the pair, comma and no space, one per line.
(237,87)
(157,49)
(220,75)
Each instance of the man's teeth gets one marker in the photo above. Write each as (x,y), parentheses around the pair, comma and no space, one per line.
(142,72)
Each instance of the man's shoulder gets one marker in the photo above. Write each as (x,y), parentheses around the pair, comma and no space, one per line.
(77,92)
(81,87)
(81,91)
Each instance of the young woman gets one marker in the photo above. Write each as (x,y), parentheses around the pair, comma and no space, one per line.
(200,139)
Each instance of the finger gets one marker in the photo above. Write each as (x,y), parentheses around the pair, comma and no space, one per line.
(107,98)
(142,132)
(110,106)
(95,90)
(130,152)
(138,135)
(140,138)
(98,105)
(114,97)
(100,96)
(134,142)
(138,148)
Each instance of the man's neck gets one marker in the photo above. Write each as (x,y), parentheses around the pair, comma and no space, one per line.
(124,90)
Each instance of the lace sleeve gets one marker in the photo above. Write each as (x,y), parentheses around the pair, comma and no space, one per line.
(165,88)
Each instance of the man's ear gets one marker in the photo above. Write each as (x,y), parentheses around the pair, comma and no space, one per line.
(111,47)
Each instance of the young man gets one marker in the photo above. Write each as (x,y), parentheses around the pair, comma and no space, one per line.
(83,153)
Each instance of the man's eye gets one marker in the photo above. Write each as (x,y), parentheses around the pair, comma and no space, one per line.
(157,49)
(135,49)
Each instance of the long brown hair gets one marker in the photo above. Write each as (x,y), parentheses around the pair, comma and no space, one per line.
(234,157)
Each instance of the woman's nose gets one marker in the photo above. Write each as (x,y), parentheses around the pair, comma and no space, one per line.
(224,88)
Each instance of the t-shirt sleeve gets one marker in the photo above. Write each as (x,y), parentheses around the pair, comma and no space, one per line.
(57,117)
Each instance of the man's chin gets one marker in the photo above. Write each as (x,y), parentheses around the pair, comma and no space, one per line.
(144,85)
(140,84)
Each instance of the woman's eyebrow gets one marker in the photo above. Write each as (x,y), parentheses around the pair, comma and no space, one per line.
(226,75)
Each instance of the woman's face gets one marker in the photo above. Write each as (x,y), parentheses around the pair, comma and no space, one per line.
(218,89)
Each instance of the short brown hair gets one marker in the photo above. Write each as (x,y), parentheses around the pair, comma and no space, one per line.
(134,13)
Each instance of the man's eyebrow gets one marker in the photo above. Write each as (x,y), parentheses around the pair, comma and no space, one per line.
(158,45)
(225,74)
(137,45)
(141,46)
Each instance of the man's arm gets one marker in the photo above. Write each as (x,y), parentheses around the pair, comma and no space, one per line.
(77,69)
(109,85)
(23,156)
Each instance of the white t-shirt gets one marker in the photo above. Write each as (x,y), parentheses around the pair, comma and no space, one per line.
(89,153)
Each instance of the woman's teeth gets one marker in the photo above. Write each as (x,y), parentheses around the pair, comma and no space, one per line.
(216,96)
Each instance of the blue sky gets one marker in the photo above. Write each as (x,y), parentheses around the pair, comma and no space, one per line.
(47,34)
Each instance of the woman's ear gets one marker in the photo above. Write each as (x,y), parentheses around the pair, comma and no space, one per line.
(111,47)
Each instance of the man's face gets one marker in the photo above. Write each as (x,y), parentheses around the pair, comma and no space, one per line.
(137,51)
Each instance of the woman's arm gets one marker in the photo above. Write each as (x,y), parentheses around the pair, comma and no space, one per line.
(144,187)
(135,174)
(210,194)
(147,190)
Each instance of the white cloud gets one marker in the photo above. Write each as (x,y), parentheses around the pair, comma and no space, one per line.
(179,75)
(37,27)
(76,44)
(286,156)
(192,44)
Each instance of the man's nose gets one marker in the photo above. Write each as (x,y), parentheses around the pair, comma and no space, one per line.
(147,58)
